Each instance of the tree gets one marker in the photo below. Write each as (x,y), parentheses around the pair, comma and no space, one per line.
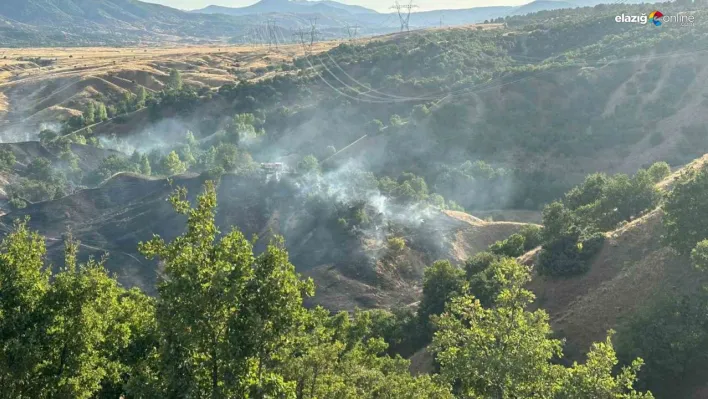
(142,96)
(594,379)
(441,282)
(685,225)
(226,156)
(222,313)
(500,352)
(506,351)
(145,165)
(7,159)
(24,282)
(337,357)
(46,136)
(101,112)
(174,81)
(308,165)
(109,166)
(659,171)
(90,113)
(512,247)
(40,168)
(172,165)
(67,337)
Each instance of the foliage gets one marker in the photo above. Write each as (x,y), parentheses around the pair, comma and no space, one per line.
(512,247)
(7,159)
(506,351)
(172,165)
(62,337)
(699,256)
(672,335)
(441,282)
(396,244)
(685,226)
(222,312)
(109,166)
(659,171)
(174,81)
(309,164)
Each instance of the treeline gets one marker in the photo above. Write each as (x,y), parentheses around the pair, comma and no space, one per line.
(672,331)
(228,323)
(574,227)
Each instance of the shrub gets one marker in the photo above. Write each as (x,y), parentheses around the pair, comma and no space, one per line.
(568,256)
(396,244)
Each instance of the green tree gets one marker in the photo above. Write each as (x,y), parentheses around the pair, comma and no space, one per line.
(513,246)
(685,225)
(172,165)
(24,282)
(336,357)
(7,159)
(223,314)
(506,351)
(46,136)
(659,171)
(308,165)
(140,97)
(145,165)
(65,337)
(101,112)
(174,81)
(40,168)
(90,113)
(499,352)
(441,282)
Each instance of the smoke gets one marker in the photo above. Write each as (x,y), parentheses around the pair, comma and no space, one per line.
(161,136)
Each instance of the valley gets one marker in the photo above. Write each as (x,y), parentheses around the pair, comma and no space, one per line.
(505,208)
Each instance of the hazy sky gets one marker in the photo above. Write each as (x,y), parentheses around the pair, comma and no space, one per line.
(378,5)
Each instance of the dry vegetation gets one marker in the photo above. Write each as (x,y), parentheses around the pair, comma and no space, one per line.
(32,93)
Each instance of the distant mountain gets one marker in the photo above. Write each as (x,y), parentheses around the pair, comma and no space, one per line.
(542,5)
(289,6)
(457,17)
(108,22)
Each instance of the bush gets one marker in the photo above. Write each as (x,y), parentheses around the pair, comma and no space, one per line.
(532,236)
(17,203)
(7,159)
(511,247)
(568,256)
(659,171)
(396,244)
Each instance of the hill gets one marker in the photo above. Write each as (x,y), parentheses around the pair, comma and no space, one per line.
(288,6)
(349,270)
(106,22)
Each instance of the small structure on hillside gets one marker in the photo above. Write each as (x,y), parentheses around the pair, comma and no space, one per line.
(273,170)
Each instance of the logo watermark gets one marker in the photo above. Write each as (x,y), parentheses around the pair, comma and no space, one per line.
(657,18)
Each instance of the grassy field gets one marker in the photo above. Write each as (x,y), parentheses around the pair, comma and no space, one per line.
(40,85)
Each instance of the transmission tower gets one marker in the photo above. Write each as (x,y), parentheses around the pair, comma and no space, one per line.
(313,31)
(352,31)
(404,13)
(302,35)
(272,33)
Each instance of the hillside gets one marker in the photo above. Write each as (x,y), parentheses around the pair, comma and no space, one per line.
(34,95)
(105,22)
(325,7)
(350,271)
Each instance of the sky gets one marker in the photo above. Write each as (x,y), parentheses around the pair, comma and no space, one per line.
(378,5)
